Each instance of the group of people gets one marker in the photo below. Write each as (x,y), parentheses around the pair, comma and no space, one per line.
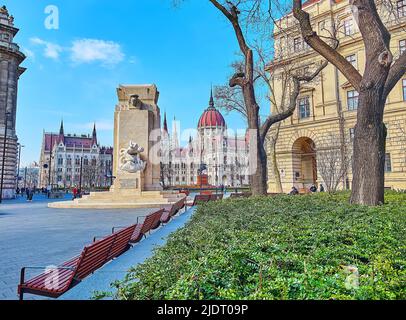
(313,189)
(28,192)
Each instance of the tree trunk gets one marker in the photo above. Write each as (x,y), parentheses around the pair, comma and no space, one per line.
(258,178)
(369,150)
(258,170)
(275,168)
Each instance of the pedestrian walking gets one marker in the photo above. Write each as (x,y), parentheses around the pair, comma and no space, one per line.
(75,193)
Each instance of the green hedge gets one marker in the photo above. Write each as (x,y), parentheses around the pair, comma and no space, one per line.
(287,247)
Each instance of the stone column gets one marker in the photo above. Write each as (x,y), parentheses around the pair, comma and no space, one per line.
(10,59)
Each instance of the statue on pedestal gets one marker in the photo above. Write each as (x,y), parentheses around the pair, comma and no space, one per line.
(130,160)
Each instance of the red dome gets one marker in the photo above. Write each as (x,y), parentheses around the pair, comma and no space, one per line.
(211,118)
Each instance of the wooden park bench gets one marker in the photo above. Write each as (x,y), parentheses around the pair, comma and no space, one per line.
(199,199)
(55,281)
(202,198)
(151,222)
(171,211)
(216,196)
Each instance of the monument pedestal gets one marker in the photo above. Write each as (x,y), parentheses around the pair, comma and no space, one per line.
(121,199)
(136,165)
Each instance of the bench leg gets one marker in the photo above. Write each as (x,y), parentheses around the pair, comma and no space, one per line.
(22,279)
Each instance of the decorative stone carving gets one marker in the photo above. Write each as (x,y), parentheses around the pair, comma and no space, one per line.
(135,102)
(130,160)
(3,10)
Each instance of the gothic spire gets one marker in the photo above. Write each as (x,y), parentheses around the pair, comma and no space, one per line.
(165,123)
(61,130)
(61,134)
(211,103)
(94,135)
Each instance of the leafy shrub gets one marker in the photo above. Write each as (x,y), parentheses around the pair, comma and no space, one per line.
(284,247)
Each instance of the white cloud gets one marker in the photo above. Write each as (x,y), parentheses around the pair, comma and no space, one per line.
(51,50)
(93,50)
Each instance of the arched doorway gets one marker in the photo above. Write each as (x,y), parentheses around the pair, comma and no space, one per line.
(304,163)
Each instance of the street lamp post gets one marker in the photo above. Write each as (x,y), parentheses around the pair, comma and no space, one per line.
(4,155)
(19,162)
(50,162)
(25,178)
(80,174)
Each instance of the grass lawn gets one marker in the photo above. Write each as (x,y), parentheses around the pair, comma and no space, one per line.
(287,247)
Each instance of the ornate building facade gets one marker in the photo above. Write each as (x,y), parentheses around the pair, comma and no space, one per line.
(327,107)
(10,71)
(223,157)
(76,160)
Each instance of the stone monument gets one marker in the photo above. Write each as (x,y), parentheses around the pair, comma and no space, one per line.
(136,162)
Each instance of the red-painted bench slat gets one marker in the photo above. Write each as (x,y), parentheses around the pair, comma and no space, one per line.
(121,243)
(170,212)
(151,221)
(55,282)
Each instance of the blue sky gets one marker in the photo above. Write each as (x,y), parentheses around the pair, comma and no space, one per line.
(73,71)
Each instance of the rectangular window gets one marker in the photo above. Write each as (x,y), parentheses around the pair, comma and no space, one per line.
(306,71)
(297,44)
(304,108)
(352,59)
(401,8)
(352,100)
(404,89)
(388,164)
(348,27)
(402,46)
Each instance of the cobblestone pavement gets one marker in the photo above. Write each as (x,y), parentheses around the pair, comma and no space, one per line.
(31,234)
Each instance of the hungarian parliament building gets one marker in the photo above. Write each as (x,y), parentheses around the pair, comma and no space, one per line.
(221,157)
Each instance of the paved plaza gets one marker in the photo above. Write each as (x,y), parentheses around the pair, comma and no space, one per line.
(31,234)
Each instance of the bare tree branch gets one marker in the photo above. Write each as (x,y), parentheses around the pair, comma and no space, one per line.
(330,54)
(396,72)
(272,119)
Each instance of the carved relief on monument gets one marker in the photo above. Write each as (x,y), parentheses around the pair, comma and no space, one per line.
(130,159)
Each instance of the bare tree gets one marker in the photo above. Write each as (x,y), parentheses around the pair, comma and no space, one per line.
(90,175)
(332,163)
(241,14)
(380,76)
